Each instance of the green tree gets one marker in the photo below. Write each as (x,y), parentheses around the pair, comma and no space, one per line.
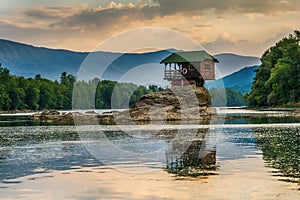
(277,80)
(32,96)
(40,93)
(227,97)
(5,101)
(16,94)
(46,100)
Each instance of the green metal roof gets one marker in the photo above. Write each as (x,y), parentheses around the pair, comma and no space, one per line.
(188,56)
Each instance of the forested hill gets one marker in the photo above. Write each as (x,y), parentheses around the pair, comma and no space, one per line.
(277,80)
(230,63)
(240,81)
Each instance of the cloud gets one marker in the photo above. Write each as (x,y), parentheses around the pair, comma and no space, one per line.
(224,44)
(109,15)
(205,21)
(44,13)
(56,38)
(244,6)
(203,25)
(121,14)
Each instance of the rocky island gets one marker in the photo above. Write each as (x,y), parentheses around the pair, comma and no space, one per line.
(172,104)
(180,103)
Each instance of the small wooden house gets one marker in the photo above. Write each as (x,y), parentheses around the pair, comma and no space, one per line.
(193,67)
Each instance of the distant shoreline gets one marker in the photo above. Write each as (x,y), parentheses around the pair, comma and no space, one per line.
(291,109)
(295,112)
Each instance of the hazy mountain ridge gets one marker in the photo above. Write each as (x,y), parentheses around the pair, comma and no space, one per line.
(241,80)
(27,60)
(230,63)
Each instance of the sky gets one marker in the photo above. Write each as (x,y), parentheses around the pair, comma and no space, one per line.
(245,27)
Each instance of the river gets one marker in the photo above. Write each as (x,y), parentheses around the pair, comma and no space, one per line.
(248,155)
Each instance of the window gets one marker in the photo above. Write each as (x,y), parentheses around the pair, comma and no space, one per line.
(207,67)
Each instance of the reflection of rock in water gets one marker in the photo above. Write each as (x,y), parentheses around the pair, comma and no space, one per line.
(191,157)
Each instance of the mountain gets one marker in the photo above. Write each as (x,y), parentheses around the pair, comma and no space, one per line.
(144,68)
(230,63)
(240,81)
(27,60)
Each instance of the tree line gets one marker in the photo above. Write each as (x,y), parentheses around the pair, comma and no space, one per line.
(20,93)
(277,81)
(226,97)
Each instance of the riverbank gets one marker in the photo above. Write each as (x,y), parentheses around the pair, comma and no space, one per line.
(293,111)
(240,109)
(106,117)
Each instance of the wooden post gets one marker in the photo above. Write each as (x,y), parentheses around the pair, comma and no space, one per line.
(170,68)
(175,70)
(165,72)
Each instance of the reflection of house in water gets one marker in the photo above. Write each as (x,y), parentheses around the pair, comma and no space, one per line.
(191,157)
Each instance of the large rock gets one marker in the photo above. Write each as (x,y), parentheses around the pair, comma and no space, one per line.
(53,116)
(45,115)
(176,103)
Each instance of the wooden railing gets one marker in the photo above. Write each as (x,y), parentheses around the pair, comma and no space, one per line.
(172,75)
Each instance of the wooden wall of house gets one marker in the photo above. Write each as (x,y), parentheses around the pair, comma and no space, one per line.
(207,69)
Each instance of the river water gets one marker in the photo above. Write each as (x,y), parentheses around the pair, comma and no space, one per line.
(249,155)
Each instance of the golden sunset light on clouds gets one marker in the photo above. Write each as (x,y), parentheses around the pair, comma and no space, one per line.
(246,27)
